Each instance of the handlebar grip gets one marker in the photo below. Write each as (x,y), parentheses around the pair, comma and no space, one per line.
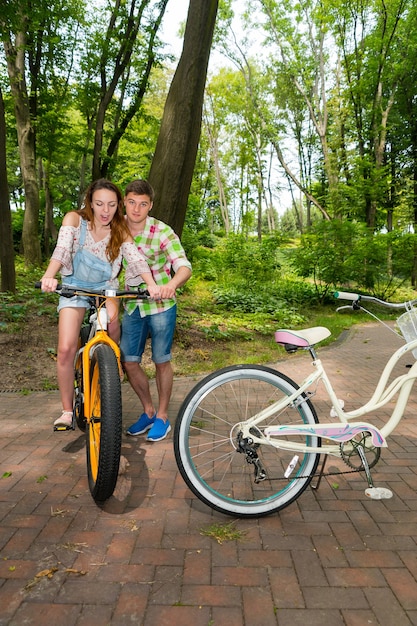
(345,295)
(38,285)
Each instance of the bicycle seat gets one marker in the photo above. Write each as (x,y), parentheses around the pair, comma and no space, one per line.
(292,340)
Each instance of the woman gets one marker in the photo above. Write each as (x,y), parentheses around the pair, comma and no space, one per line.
(92,244)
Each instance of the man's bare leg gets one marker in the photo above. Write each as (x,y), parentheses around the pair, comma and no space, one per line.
(164,382)
(140,385)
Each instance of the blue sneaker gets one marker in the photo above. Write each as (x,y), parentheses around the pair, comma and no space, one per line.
(159,430)
(143,424)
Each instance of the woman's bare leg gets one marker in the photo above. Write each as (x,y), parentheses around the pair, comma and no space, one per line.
(70,320)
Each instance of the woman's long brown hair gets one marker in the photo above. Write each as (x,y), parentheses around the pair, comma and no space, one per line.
(118,228)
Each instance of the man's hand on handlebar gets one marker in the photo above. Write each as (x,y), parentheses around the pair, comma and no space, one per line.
(154,292)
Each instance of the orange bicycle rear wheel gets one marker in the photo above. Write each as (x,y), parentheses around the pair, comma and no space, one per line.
(78,409)
(104,427)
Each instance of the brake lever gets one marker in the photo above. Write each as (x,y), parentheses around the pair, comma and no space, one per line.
(355,306)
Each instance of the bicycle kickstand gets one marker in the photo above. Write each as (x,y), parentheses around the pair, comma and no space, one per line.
(320,475)
(375,493)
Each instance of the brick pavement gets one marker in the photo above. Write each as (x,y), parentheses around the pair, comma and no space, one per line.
(331,558)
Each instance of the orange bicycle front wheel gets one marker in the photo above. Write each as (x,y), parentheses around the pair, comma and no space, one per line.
(104,428)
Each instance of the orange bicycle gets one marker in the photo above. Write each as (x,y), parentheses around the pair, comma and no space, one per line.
(97,407)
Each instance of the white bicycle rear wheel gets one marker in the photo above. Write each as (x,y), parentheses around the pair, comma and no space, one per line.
(206,449)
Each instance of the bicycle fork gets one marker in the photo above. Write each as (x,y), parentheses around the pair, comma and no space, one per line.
(101,336)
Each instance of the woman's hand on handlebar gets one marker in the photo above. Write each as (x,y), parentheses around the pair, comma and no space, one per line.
(48,284)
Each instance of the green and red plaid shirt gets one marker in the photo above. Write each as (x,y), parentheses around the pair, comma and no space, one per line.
(164,253)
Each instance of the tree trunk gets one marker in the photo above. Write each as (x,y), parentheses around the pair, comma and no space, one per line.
(15,56)
(8,274)
(176,150)
(214,147)
(50,231)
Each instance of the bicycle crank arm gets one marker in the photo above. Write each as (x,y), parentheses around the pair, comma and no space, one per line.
(335,432)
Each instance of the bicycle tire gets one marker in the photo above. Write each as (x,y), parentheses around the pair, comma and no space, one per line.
(104,428)
(205,444)
(84,334)
(78,409)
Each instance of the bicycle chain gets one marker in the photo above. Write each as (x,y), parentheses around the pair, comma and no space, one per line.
(345,460)
(323,474)
(320,474)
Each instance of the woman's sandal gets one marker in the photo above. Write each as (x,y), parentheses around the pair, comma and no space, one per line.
(64,421)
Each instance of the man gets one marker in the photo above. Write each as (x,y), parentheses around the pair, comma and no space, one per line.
(170,269)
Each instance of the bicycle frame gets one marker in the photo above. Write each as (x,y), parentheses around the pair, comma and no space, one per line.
(100,336)
(342,430)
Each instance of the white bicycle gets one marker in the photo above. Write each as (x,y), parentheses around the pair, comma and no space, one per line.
(247,439)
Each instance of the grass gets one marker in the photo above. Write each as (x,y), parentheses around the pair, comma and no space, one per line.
(228,339)
(223,532)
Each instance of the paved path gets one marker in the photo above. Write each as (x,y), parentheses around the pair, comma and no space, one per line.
(332,558)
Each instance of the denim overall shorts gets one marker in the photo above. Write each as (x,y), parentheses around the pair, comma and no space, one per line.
(89,272)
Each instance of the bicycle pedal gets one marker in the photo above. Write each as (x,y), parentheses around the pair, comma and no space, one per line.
(378,493)
(59,427)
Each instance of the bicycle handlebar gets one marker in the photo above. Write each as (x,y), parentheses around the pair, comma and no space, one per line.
(356,299)
(69,292)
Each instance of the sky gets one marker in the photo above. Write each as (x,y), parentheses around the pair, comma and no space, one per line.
(175,14)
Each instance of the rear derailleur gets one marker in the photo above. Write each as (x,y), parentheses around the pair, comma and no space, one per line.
(246,445)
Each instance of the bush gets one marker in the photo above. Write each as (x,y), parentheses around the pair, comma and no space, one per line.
(264,302)
(205,263)
(346,253)
(192,240)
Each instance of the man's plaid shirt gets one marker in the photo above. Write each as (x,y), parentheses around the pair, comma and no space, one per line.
(163,252)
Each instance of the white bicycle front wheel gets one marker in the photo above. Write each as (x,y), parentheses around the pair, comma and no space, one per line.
(206,442)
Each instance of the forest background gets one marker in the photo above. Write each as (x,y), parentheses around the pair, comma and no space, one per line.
(288,166)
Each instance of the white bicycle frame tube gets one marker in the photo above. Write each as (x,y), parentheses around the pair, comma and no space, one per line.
(381,396)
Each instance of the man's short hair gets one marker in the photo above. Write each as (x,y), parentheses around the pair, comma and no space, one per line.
(140,188)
